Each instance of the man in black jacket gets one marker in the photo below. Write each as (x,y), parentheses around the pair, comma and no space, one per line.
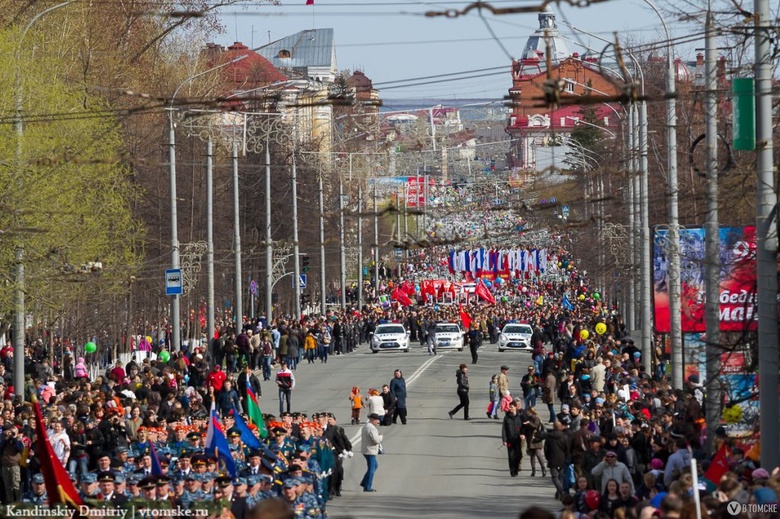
(248,379)
(342,448)
(557,450)
(510,435)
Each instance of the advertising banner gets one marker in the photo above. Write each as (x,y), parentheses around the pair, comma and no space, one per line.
(737,279)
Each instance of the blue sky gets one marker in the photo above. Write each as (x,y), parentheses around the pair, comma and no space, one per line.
(392,40)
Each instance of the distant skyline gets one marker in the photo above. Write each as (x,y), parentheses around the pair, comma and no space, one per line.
(392,41)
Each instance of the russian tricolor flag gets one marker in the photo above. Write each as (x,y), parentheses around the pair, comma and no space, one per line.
(217,444)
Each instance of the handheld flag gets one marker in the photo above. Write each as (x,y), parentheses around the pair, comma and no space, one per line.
(156,467)
(566,304)
(247,437)
(217,444)
(401,297)
(719,465)
(465,318)
(482,291)
(59,488)
(254,412)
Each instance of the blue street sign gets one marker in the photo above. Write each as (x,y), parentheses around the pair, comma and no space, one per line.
(302,281)
(173,282)
(565,210)
(253,287)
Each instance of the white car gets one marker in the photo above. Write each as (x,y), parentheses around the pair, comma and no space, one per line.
(449,335)
(390,337)
(515,336)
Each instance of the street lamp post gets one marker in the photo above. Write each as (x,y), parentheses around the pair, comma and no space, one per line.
(175,262)
(19,290)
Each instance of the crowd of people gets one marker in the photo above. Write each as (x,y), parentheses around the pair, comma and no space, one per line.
(615,439)
(620,442)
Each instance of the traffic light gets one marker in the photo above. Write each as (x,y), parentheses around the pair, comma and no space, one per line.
(305,263)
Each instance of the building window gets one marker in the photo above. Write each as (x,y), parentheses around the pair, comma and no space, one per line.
(568,86)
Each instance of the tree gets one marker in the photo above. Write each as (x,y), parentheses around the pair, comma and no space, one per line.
(67,199)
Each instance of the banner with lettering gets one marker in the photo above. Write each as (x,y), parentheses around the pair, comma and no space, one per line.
(737,279)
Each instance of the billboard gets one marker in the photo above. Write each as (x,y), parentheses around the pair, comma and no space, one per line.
(737,384)
(737,293)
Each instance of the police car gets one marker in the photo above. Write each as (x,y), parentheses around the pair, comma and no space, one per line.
(515,336)
(390,337)
(449,335)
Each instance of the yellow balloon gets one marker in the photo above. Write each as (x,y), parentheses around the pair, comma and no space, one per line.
(601,328)
(582,297)
(584,335)
(149,339)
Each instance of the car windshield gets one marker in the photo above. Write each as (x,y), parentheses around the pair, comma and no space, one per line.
(390,329)
(518,328)
(447,328)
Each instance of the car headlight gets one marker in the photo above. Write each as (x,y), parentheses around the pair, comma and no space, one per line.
(502,338)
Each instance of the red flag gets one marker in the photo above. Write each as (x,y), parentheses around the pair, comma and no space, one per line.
(719,465)
(309,2)
(59,488)
(465,318)
(401,297)
(482,291)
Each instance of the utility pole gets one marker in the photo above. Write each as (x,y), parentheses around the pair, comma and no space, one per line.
(712,232)
(342,246)
(239,305)
(269,246)
(323,291)
(296,246)
(360,245)
(766,240)
(631,295)
(376,242)
(209,241)
(675,320)
(645,260)
(398,194)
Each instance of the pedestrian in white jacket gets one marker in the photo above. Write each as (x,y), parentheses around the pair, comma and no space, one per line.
(370,440)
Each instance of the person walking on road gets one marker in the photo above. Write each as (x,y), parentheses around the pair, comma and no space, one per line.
(462,378)
(430,332)
(286,382)
(369,448)
(503,383)
(475,338)
(512,439)
(398,390)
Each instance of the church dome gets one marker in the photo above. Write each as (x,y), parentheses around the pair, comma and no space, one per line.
(547,27)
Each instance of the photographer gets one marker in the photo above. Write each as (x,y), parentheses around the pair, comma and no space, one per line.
(11,447)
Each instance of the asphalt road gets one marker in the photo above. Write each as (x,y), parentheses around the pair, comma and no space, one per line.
(433,467)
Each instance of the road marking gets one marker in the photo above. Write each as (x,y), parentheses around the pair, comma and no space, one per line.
(355,440)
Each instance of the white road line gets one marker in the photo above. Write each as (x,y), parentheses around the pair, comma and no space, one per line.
(355,440)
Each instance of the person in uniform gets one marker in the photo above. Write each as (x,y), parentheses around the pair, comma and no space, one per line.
(37,495)
(179,443)
(289,494)
(163,492)
(253,467)
(184,467)
(148,487)
(132,486)
(120,484)
(225,492)
(260,489)
(240,487)
(103,461)
(89,485)
(107,492)
(192,491)
(281,444)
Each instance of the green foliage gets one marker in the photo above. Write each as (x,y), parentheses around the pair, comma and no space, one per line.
(67,196)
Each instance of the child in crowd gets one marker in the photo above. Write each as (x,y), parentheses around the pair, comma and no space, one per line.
(357,404)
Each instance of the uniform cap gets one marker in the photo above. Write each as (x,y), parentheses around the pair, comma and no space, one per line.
(38,478)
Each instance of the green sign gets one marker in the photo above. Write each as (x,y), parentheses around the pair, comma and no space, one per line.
(744,119)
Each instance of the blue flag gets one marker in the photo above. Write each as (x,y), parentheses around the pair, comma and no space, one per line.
(249,439)
(566,303)
(217,444)
(156,467)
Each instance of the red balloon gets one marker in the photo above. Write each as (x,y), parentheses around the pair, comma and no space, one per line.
(592,499)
